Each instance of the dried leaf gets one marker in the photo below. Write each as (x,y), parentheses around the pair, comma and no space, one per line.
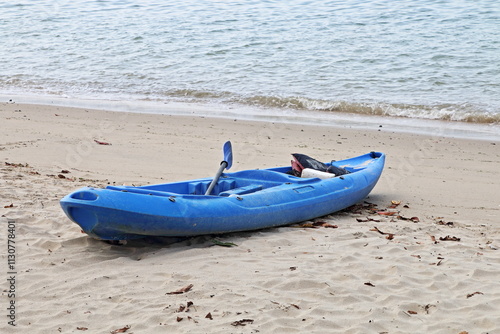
(394,204)
(413,219)
(181,290)
(65,171)
(181,308)
(368,219)
(223,244)
(121,330)
(359,208)
(463,332)
(324,224)
(179,319)
(317,224)
(189,304)
(386,213)
(307,225)
(442,222)
(433,238)
(101,142)
(242,322)
(9,206)
(428,307)
(369,284)
(15,165)
(448,238)
(390,236)
(329,225)
(293,268)
(82,328)
(474,293)
(209,316)
(412,312)
(296,306)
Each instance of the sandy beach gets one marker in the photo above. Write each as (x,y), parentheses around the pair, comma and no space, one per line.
(433,267)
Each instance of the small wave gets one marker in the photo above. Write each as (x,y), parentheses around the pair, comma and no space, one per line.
(191,94)
(449,112)
(467,112)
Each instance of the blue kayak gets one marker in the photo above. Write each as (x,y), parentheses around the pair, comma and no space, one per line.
(240,201)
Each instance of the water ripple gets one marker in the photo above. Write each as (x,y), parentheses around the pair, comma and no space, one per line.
(423,54)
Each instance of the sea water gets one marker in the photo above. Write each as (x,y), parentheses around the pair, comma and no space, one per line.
(421,59)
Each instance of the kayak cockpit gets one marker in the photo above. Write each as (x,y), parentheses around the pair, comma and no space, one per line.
(242,182)
(238,183)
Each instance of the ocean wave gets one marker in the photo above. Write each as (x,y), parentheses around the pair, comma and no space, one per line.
(450,112)
(465,112)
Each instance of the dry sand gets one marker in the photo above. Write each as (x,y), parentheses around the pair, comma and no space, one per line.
(350,279)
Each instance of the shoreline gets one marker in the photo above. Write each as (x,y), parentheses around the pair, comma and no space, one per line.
(437,273)
(421,126)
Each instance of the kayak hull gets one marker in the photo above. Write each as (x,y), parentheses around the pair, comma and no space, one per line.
(241,201)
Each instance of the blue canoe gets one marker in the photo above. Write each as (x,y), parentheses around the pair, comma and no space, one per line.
(241,201)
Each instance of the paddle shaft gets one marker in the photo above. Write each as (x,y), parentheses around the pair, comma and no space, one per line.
(223,166)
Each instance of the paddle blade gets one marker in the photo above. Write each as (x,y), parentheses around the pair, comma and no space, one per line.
(228,154)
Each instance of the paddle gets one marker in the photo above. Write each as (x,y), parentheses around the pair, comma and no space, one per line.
(225,164)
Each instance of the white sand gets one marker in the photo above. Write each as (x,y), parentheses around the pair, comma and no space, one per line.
(286,280)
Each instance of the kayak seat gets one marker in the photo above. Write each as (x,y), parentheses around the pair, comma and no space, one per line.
(200,187)
(242,190)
